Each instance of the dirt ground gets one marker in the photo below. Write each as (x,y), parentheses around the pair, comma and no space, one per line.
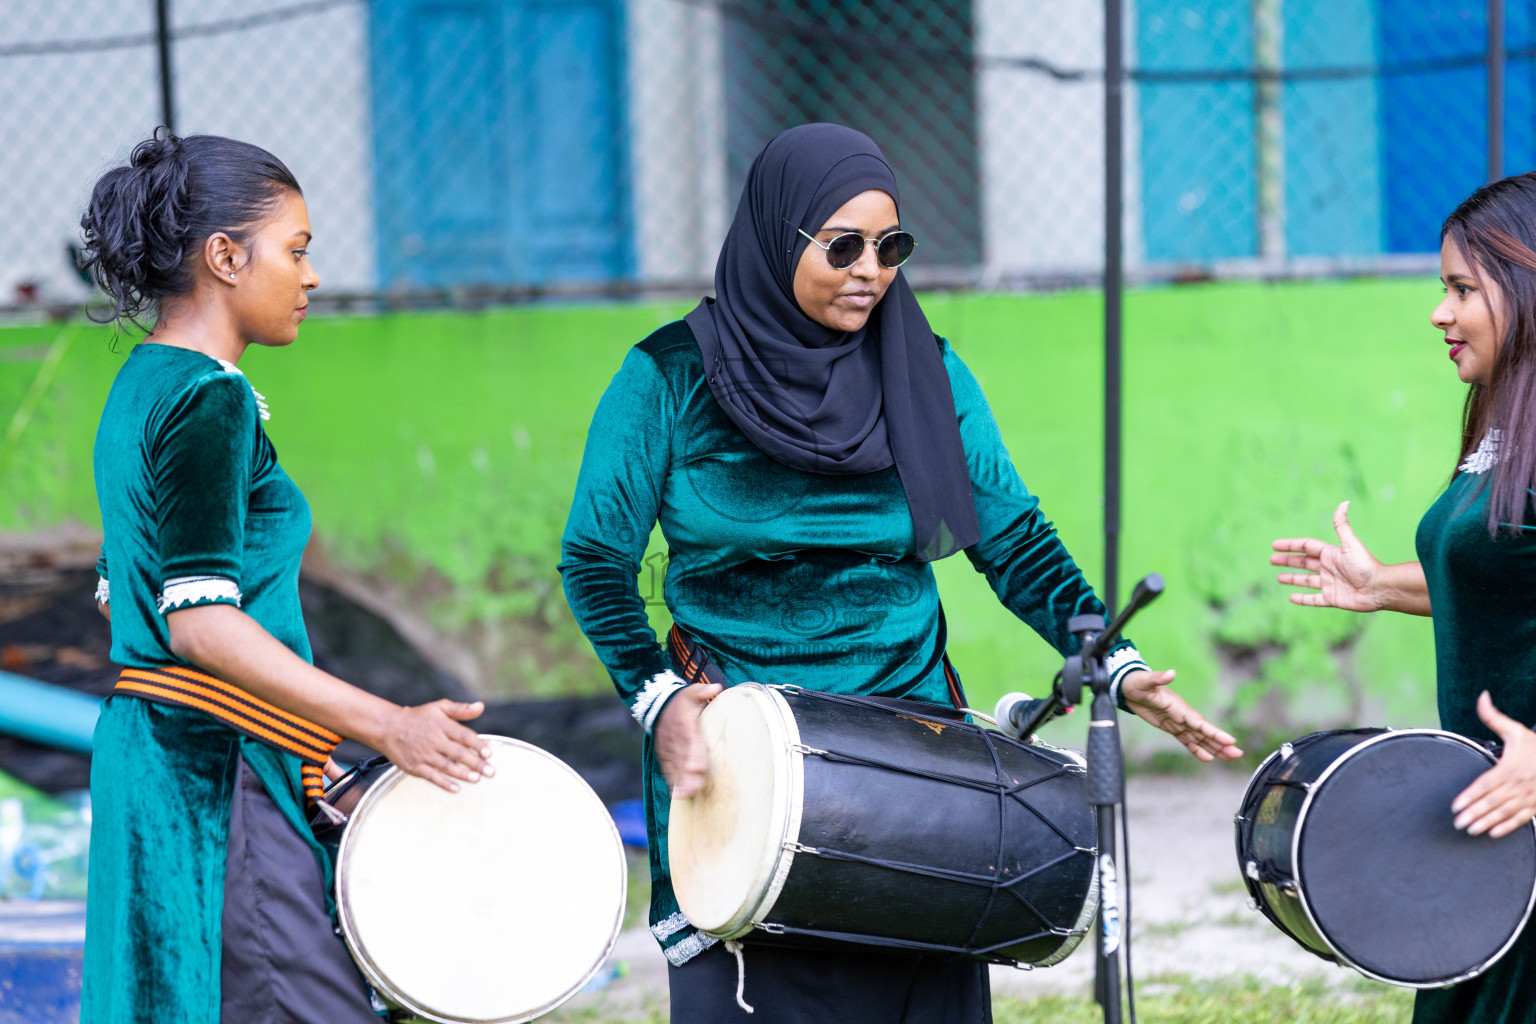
(1191,914)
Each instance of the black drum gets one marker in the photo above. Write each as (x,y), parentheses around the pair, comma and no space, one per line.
(832,819)
(1346,843)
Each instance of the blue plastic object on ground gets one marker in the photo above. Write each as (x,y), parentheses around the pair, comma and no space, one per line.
(44,713)
(41,946)
(629,816)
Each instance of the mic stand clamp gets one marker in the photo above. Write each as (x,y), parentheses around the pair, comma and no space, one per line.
(1106,773)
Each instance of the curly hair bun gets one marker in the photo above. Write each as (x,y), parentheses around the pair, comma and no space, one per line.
(147,221)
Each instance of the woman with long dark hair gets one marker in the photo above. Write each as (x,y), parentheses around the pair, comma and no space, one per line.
(809,447)
(1476,573)
(209,896)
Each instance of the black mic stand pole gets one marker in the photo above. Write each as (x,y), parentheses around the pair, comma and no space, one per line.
(1106,772)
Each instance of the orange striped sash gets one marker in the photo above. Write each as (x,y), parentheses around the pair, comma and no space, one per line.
(172,684)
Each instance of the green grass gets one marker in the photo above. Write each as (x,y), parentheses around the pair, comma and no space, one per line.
(1161,1001)
(1241,1001)
(439,453)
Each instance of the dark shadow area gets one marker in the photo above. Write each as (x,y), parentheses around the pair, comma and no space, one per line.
(50,631)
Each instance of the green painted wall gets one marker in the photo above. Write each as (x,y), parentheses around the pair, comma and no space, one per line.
(439,452)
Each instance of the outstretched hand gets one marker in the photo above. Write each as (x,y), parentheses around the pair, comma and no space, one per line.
(1504,797)
(1147,694)
(1344,575)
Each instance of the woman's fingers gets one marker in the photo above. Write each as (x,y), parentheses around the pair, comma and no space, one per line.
(1149,696)
(1501,812)
(459,710)
(1503,798)
(680,741)
(1295,561)
(1498,721)
(439,778)
(1301,579)
(1341,525)
(1309,546)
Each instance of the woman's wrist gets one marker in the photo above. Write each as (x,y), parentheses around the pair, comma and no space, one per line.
(1400,588)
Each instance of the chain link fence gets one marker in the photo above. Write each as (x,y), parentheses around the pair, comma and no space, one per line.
(494,150)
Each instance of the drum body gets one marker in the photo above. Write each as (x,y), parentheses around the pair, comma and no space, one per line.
(493,904)
(832,819)
(1346,843)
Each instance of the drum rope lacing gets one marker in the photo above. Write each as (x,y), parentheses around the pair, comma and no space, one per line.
(993,882)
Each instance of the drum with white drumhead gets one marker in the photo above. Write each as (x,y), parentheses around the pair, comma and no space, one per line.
(887,823)
(493,904)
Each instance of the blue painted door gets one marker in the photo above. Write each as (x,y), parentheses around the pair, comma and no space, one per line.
(1198,147)
(499,141)
(1434,126)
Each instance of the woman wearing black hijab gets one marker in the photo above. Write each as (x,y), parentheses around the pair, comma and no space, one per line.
(809,446)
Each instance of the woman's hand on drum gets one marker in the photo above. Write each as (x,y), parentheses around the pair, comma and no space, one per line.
(427,741)
(1504,797)
(679,740)
(1147,694)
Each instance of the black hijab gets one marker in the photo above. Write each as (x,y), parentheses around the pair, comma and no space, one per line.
(821,400)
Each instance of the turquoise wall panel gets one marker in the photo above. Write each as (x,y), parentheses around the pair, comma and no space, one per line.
(1333,186)
(1198,156)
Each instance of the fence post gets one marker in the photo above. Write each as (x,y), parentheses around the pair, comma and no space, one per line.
(1114,285)
(1495,89)
(1268,52)
(167,85)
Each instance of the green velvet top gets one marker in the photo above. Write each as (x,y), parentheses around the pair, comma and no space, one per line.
(194,506)
(195,510)
(783,576)
(1482,590)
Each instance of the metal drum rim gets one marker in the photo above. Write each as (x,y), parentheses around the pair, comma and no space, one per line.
(376,977)
(1301,889)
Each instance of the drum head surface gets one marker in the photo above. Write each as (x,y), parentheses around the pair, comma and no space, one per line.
(1391,884)
(725,845)
(492,904)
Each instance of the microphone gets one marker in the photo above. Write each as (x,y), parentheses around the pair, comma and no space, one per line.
(1021,714)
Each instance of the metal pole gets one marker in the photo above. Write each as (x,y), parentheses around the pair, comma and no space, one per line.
(1496,57)
(167,88)
(1114,287)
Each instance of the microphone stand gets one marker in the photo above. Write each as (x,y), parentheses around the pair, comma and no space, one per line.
(1106,772)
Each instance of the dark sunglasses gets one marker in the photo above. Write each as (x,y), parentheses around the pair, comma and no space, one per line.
(844,251)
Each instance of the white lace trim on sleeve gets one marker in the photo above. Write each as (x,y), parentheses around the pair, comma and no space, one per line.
(190,590)
(653,695)
(103,590)
(1122,663)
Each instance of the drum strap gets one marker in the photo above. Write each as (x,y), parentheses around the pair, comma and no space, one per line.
(251,716)
(695,665)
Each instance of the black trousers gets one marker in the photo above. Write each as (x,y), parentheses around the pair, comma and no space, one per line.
(282,962)
(802,986)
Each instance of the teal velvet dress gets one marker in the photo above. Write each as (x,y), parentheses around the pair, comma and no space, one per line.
(782,576)
(1483,592)
(195,510)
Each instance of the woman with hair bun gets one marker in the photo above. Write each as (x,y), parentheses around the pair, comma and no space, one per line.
(1476,573)
(209,896)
